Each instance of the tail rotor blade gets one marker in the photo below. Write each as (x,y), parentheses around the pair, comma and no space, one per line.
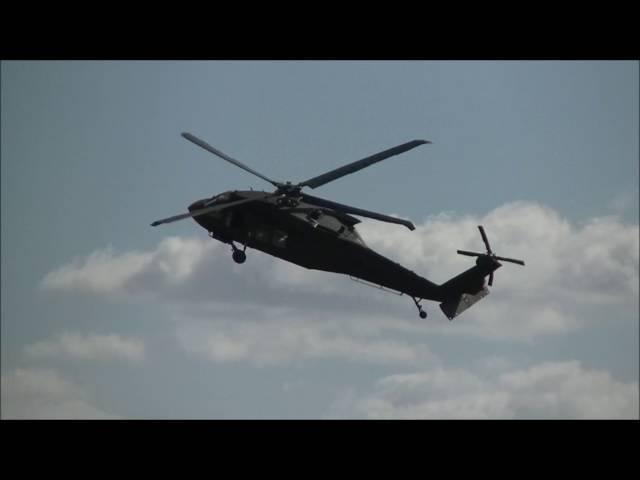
(512,260)
(490,266)
(484,239)
(470,254)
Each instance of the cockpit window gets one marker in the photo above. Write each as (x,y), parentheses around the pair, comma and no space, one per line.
(222,197)
(352,235)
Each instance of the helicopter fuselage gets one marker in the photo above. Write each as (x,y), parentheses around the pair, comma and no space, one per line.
(309,236)
(320,234)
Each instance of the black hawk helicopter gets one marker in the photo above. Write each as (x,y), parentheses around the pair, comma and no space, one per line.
(320,234)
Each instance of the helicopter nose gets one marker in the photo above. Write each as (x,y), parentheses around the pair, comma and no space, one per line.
(197,205)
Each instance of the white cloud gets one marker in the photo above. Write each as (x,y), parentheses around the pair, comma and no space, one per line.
(562,390)
(45,394)
(267,312)
(101,271)
(570,271)
(597,261)
(494,363)
(280,338)
(174,261)
(88,347)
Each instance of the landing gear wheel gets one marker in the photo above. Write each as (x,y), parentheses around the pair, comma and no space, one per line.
(421,312)
(239,256)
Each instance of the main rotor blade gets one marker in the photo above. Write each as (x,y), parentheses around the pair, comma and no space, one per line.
(484,238)
(175,218)
(512,260)
(237,163)
(321,202)
(360,164)
(204,211)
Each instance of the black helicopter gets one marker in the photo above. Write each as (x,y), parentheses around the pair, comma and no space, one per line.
(319,234)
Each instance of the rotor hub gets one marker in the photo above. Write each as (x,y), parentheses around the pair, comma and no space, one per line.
(288,189)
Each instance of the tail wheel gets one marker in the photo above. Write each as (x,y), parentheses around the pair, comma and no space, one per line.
(421,312)
(239,256)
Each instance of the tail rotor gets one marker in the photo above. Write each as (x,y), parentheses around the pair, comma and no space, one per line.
(489,254)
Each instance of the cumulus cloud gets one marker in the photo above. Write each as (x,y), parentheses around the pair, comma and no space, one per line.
(88,347)
(570,270)
(280,338)
(494,363)
(597,261)
(267,312)
(556,390)
(103,271)
(45,394)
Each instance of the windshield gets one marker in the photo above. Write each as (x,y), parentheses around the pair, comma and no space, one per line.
(222,197)
(353,236)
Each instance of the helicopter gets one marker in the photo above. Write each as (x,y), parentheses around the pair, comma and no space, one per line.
(321,234)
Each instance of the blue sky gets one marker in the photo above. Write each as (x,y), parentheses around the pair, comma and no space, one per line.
(544,152)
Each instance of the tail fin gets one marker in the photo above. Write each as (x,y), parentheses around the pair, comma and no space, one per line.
(454,307)
(466,289)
